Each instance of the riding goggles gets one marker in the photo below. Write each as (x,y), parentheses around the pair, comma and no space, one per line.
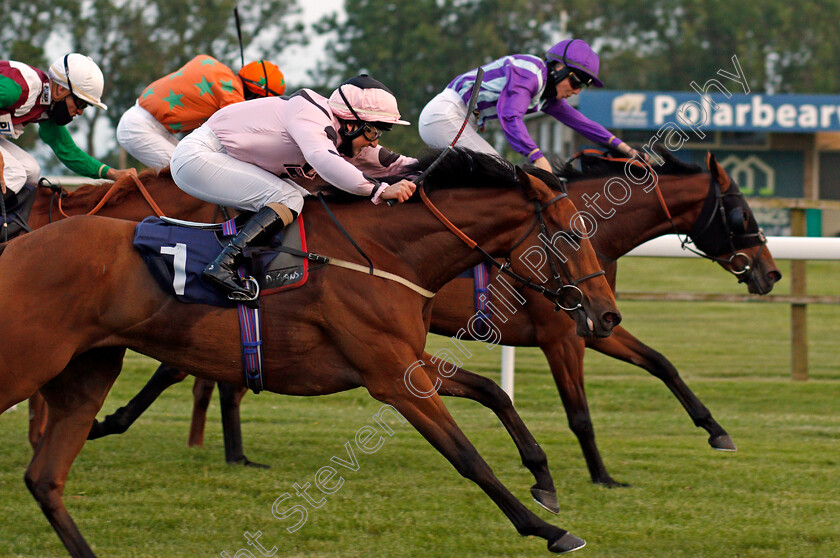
(577,83)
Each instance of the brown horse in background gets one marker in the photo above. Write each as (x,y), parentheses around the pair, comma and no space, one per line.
(701,204)
(81,282)
(686,191)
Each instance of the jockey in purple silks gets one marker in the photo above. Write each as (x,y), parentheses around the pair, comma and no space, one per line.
(514,86)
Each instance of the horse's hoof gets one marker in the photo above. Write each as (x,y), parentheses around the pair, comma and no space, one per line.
(722,443)
(248,463)
(546,498)
(566,543)
(610,482)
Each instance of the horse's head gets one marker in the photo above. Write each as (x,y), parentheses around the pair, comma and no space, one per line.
(560,257)
(727,231)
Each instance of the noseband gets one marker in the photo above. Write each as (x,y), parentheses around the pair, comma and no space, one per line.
(720,229)
(558,296)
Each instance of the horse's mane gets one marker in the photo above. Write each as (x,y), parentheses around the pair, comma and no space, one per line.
(88,196)
(597,167)
(461,168)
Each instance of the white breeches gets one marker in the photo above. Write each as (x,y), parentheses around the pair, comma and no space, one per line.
(20,168)
(441,119)
(146,139)
(201,167)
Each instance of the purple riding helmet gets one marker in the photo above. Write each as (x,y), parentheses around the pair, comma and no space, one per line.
(576,54)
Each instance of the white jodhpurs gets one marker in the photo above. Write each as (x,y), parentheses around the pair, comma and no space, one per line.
(201,167)
(146,139)
(20,168)
(441,119)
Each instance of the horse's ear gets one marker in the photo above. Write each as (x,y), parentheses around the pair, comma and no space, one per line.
(523,177)
(526,180)
(717,172)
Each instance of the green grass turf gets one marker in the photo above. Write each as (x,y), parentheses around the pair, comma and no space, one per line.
(146,494)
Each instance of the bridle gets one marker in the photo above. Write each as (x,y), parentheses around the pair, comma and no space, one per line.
(558,295)
(727,222)
(718,230)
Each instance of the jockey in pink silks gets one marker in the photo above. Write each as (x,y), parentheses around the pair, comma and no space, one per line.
(246,155)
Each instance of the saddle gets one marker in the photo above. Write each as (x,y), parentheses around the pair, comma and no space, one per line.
(17,214)
(176,253)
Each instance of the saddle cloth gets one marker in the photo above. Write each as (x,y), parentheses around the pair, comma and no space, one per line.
(177,255)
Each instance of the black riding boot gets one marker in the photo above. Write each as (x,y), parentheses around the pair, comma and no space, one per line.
(222,271)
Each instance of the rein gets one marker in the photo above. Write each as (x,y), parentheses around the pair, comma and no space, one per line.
(60,193)
(505,268)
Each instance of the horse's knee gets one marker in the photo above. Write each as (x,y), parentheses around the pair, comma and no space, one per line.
(46,492)
(581,425)
(202,392)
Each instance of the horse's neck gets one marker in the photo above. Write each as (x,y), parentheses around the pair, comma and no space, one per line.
(642,217)
(127,203)
(410,241)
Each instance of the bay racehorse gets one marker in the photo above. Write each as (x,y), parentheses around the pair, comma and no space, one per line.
(81,282)
(704,203)
(627,211)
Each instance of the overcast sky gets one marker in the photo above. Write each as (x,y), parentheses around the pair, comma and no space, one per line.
(297,61)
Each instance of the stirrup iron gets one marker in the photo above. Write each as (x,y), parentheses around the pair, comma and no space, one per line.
(251,296)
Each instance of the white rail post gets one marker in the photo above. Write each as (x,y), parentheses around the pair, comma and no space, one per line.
(508,354)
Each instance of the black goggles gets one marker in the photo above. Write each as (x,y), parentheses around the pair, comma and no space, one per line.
(577,82)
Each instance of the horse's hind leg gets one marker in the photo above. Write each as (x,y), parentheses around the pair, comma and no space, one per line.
(624,346)
(74,397)
(121,419)
(457,382)
(37,418)
(230,397)
(431,418)
(202,392)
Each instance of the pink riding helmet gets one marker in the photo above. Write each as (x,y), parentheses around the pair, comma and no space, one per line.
(371,101)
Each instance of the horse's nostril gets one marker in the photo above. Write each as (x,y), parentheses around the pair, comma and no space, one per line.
(774,276)
(612,318)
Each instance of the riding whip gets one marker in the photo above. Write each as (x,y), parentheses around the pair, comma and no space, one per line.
(239,34)
(479,76)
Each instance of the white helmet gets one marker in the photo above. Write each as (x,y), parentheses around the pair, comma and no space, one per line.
(81,75)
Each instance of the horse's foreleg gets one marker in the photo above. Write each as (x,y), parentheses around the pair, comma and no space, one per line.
(37,418)
(74,397)
(565,357)
(202,392)
(457,382)
(229,398)
(118,422)
(624,346)
(431,418)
